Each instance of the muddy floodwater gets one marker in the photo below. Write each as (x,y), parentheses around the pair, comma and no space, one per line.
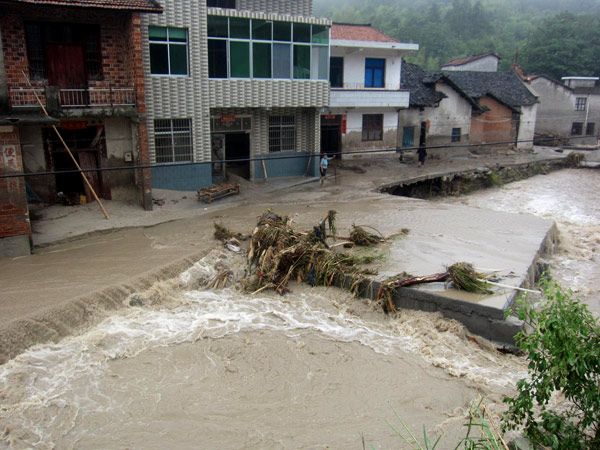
(570,198)
(183,367)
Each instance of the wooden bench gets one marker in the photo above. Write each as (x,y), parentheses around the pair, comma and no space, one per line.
(208,194)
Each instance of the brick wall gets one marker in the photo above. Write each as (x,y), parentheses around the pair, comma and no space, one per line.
(115,45)
(14,213)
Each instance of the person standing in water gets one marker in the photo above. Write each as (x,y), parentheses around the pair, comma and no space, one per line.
(323,166)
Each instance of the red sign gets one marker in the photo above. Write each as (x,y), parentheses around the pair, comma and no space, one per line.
(73,124)
(228,118)
(329,116)
(344,124)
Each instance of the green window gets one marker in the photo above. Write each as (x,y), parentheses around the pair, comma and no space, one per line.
(239,28)
(301,32)
(217,26)
(320,34)
(302,61)
(168,50)
(261,60)
(282,31)
(240,59)
(255,48)
(261,30)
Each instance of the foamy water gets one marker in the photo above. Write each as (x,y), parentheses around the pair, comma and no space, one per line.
(208,369)
(50,392)
(570,198)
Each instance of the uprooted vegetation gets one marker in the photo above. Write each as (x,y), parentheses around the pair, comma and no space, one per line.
(279,254)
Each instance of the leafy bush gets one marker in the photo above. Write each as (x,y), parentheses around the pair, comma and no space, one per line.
(563,349)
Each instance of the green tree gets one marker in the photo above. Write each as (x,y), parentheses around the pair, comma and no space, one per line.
(563,45)
(563,349)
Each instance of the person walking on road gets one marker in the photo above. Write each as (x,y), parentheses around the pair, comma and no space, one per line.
(323,166)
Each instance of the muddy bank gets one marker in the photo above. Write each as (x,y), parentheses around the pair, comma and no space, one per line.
(464,182)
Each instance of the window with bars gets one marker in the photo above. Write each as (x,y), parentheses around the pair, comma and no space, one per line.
(282,133)
(372,129)
(580,103)
(577,129)
(455,135)
(173,140)
(590,129)
(168,50)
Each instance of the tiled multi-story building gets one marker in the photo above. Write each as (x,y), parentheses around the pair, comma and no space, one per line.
(234,86)
(82,60)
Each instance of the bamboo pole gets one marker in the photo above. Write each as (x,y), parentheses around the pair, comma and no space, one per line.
(68,150)
(265,169)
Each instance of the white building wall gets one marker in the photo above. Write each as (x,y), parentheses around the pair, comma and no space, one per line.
(556,110)
(354,68)
(486,64)
(527,127)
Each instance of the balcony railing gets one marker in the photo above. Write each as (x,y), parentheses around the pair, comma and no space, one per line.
(97,97)
(25,98)
(75,98)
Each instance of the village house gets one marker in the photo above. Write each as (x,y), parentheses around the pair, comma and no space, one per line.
(439,114)
(506,108)
(234,87)
(366,95)
(567,109)
(452,109)
(82,59)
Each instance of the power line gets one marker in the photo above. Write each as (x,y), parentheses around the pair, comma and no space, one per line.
(283,157)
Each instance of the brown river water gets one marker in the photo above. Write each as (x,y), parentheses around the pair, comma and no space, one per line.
(316,369)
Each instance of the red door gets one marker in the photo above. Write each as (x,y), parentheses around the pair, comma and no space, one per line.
(66,69)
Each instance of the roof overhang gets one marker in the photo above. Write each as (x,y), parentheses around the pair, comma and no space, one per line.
(372,45)
(150,7)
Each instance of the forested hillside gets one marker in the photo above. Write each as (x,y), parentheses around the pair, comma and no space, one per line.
(554,37)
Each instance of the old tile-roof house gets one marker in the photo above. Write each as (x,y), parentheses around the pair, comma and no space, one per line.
(234,87)
(83,60)
(365,72)
(506,107)
(439,113)
(567,109)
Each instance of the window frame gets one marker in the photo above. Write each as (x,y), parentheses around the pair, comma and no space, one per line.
(312,38)
(590,129)
(340,67)
(456,134)
(373,69)
(372,127)
(277,133)
(580,103)
(576,126)
(172,133)
(168,43)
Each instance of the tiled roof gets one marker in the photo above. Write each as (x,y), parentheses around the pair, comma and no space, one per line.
(129,5)
(420,84)
(468,59)
(506,87)
(366,33)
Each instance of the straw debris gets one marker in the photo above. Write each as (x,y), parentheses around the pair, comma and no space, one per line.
(223,234)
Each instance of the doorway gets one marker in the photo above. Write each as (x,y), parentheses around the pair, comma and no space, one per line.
(331,135)
(423,135)
(87,147)
(237,153)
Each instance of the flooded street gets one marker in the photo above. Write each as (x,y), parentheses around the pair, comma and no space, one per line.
(188,368)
